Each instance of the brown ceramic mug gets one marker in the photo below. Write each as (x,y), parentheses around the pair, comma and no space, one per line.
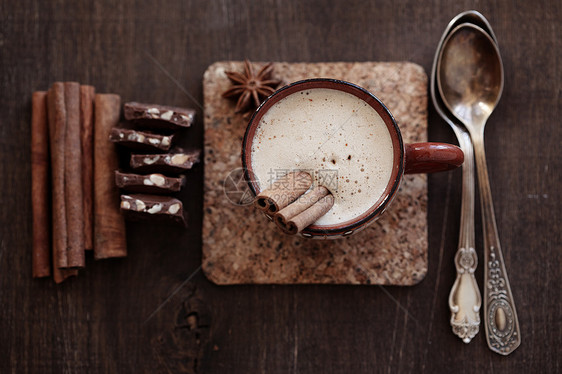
(293,112)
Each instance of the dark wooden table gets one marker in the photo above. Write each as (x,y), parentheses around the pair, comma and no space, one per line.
(155,311)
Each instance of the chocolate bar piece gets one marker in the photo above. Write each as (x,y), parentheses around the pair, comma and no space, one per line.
(140,140)
(158,116)
(176,162)
(153,207)
(150,183)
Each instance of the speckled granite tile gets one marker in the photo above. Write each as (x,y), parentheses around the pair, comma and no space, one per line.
(240,246)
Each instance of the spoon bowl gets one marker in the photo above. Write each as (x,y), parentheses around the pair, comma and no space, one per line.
(474,17)
(470,74)
(469,16)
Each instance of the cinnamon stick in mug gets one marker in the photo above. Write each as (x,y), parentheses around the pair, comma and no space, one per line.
(283,192)
(41,249)
(73,178)
(109,224)
(87,94)
(57,133)
(304,211)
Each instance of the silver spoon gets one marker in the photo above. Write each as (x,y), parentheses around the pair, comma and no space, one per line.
(470,81)
(464,299)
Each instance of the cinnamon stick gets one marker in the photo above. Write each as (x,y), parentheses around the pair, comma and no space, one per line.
(293,224)
(300,205)
(41,249)
(87,94)
(57,133)
(60,275)
(283,192)
(73,178)
(109,224)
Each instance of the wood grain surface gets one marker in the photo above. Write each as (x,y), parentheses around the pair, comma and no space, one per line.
(155,312)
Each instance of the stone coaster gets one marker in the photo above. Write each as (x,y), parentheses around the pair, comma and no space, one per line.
(241,246)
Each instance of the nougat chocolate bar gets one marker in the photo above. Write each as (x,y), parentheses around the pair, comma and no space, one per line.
(154,208)
(149,183)
(175,162)
(141,140)
(156,116)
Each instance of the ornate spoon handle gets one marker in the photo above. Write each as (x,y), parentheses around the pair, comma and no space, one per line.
(500,317)
(464,299)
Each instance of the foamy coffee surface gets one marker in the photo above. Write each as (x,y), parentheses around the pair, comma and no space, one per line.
(336,137)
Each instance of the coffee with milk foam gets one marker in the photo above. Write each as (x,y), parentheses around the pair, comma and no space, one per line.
(336,137)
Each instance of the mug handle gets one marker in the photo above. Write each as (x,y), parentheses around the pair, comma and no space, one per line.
(432,157)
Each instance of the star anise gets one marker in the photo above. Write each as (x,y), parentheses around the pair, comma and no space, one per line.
(250,88)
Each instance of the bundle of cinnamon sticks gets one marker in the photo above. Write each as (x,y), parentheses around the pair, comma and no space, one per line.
(293,204)
(75,204)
